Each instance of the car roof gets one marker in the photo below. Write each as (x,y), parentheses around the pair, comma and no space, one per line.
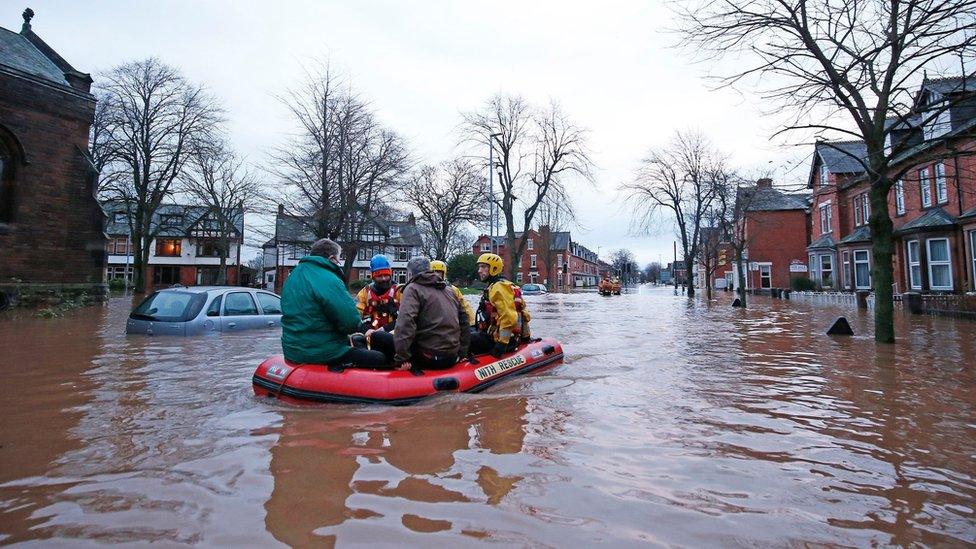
(202,289)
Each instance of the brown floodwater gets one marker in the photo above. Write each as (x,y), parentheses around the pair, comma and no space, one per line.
(670,423)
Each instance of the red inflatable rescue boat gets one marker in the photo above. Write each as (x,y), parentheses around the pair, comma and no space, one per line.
(278,378)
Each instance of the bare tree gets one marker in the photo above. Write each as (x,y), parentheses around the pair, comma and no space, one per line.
(624,265)
(341,166)
(652,272)
(555,146)
(844,67)
(152,118)
(218,180)
(447,197)
(679,179)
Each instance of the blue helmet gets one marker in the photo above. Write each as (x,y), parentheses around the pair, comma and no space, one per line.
(380,263)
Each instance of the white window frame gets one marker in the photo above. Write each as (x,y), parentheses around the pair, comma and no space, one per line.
(972,252)
(833,280)
(925,189)
(930,263)
(917,262)
(846,276)
(866,207)
(941,188)
(900,196)
(857,211)
(518,277)
(765,274)
(866,259)
(824,175)
(532,260)
(485,247)
(394,231)
(826,219)
(530,244)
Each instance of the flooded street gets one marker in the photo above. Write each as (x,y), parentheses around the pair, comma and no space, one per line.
(670,422)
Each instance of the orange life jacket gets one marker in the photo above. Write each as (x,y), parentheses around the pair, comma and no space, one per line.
(381,308)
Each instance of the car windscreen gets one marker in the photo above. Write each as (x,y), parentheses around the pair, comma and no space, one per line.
(169,306)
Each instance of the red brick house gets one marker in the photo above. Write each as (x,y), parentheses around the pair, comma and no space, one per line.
(50,221)
(552,258)
(933,206)
(775,234)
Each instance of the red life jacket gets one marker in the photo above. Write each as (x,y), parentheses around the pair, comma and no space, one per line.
(381,308)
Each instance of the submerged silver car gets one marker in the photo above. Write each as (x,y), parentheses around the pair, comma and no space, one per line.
(534,289)
(204,309)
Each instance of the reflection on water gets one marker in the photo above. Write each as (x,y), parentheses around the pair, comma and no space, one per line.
(672,422)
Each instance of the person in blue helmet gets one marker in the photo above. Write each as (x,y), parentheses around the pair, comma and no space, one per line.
(379,300)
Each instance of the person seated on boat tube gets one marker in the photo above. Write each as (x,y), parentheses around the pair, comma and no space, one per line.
(432,326)
(440,268)
(318,315)
(502,320)
(378,301)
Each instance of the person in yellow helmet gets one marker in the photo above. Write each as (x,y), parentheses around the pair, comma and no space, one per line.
(440,268)
(502,320)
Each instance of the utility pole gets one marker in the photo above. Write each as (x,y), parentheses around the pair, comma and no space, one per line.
(491,193)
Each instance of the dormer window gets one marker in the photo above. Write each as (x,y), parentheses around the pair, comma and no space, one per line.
(121,218)
(394,231)
(824,173)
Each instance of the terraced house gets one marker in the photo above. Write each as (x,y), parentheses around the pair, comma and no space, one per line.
(550,257)
(187,249)
(933,206)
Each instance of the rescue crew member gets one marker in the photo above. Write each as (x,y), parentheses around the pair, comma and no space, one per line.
(377,301)
(502,319)
(318,315)
(432,329)
(440,268)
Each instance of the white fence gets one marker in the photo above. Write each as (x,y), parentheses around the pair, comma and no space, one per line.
(843,299)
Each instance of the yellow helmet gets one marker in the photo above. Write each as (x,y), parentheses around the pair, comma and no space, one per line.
(494,263)
(440,266)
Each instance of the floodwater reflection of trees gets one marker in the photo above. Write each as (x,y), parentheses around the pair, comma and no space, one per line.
(334,466)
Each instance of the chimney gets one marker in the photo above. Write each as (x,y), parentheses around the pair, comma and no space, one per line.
(27,15)
(764,183)
(281,209)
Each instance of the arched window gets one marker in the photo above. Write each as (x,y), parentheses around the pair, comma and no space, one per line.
(6,185)
(11,156)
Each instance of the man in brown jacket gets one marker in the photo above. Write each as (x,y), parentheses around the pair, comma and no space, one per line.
(431,331)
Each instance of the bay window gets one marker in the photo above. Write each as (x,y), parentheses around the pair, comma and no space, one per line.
(827,271)
(940,266)
(862,270)
(857,211)
(825,218)
(169,247)
(845,275)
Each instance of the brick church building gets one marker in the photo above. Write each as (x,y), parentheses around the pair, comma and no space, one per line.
(50,222)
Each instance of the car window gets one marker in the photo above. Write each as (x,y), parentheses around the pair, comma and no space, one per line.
(165,306)
(214,309)
(239,304)
(270,304)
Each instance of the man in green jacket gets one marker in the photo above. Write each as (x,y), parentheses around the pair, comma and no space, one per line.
(318,314)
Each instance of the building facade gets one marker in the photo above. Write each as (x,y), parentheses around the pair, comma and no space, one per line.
(186,249)
(932,203)
(398,240)
(50,222)
(552,258)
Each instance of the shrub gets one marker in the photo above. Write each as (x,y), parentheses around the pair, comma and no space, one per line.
(357,285)
(116,285)
(803,284)
(463,269)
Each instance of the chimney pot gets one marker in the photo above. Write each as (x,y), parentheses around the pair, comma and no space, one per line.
(764,182)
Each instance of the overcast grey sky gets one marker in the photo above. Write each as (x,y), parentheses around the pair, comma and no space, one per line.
(611,65)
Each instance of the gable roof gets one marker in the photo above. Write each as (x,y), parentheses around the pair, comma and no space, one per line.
(174,220)
(769,199)
(291,228)
(19,54)
(843,156)
(948,85)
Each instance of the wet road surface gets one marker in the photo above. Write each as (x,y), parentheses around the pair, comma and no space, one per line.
(671,422)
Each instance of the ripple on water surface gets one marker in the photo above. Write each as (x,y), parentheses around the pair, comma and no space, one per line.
(670,422)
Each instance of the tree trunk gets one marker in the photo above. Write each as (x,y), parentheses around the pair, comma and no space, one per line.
(224,252)
(138,265)
(882,268)
(688,280)
(708,283)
